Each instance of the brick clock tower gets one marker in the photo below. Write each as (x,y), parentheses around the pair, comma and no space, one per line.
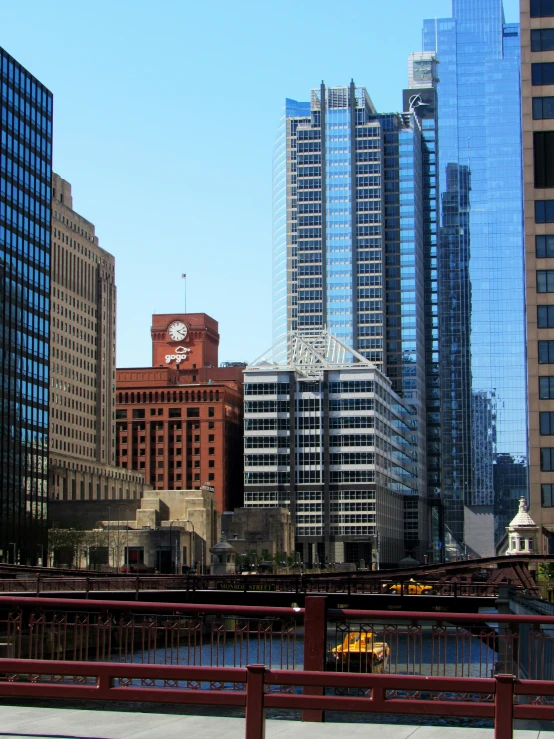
(179,422)
(184,341)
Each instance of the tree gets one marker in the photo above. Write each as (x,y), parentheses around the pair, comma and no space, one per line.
(63,546)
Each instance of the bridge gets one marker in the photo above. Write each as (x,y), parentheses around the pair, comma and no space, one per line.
(446,664)
(472,585)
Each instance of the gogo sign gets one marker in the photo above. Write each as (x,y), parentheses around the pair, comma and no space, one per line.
(179,356)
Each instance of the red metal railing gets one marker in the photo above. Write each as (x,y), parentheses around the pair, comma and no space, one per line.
(258,688)
(462,648)
(348,584)
(424,644)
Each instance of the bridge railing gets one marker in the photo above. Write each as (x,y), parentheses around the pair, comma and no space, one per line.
(431,644)
(257,688)
(349,584)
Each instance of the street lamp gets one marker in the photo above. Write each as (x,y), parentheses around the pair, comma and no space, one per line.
(127,558)
(192,546)
(172,566)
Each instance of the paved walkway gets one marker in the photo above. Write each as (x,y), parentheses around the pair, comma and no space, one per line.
(20,722)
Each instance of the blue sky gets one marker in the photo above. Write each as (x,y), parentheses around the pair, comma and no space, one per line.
(164,120)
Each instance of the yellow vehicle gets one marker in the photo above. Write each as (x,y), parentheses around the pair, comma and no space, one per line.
(410,588)
(359,652)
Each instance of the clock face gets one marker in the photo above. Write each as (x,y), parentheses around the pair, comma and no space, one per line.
(177,331)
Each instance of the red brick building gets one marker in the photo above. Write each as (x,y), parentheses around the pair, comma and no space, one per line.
(180,421)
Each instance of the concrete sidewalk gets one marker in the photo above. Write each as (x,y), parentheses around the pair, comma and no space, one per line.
(21,722)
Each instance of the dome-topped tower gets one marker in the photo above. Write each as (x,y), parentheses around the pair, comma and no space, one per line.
(223,558)
(522,532)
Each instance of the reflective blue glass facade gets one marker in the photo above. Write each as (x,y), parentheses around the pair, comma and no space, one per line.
(25,191)
(481,257)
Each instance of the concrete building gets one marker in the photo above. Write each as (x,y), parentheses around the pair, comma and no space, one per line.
(327,438)
(179,422)
(82,362)
(260,530)
(169,531)
(537,89)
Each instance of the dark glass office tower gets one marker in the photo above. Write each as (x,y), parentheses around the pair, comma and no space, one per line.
(25,185)
(483,370)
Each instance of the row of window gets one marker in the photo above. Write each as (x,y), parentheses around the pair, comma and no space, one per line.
(121,413)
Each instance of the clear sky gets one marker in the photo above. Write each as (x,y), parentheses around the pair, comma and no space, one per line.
(165,115)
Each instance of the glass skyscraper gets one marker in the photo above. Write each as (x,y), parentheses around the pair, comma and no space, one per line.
(480,270)
(353,224)
(25,189)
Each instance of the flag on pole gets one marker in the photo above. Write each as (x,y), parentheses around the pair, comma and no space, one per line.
(184,277)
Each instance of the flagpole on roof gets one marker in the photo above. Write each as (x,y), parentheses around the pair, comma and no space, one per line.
(184,277)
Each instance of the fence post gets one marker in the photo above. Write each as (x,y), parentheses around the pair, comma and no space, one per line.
(137,587)
(504,707)
(315,646)
(87,587)
(255,710)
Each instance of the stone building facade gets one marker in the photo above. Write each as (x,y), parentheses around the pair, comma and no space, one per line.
(82,362)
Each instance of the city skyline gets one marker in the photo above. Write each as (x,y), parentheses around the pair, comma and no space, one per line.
(133,182)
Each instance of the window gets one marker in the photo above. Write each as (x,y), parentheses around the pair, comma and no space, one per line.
(211,437)
(543,152)
(542,8)
(211,476)
(211,411)
(211,450)
(546,352)
(546,388)
(121,414)
(193,412)
(546,419)
(211,425)
(545,316)
(542,39)
(547,496)
(547,459)
(175,413)
(542,73)
(544,211)
(543,107)
(211,463)
(138,413)
(544,247)
(545,280)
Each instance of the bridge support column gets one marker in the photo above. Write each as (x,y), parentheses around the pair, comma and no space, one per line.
(315,646)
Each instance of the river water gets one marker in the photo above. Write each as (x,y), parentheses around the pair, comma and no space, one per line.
(415,653)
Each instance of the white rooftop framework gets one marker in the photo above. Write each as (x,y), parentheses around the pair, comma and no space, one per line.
(309,353)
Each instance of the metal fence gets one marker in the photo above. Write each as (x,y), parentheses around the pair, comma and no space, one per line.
(310,658)
(257,688)
(347,584)
(338,640)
